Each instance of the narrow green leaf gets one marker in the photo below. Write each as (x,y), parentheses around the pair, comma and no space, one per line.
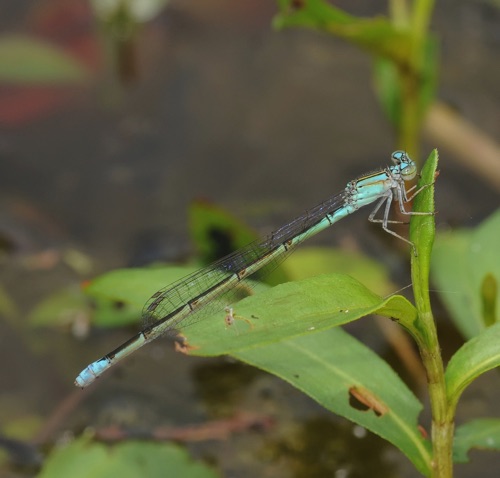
(422,231)
(84,458)
(460,262)
(483,434)
(475,357)
(292,309)
(332,367)
(29,61)
(377,35)
(423,228)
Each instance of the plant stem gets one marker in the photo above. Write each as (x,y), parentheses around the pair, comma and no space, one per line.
(411,75)
(420,25)
(442,419)
(410,123)
(399,13)
(422,232)
(442,422)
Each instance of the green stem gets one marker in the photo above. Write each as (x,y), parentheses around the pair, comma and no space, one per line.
(422,231)
(409,127)
(442,420)
(411,75)
(420,26)
(399,13)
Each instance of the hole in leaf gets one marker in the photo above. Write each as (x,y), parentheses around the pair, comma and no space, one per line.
(363,400)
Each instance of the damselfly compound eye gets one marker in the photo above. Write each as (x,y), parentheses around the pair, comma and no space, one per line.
(399,157)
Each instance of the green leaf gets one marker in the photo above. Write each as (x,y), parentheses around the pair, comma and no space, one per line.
(60,308)
(84,458)
(483,433)
(29,61)
(109,314)
(121,294)
(422,231)
(215,232)
(423,228)
(461,261)
(377,35)
(135,286)
(279,327)
(292,309)
(333,368)
(475,357)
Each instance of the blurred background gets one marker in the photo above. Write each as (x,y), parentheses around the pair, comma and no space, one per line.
(113,121)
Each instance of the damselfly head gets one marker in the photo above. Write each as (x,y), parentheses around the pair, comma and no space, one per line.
(407,168)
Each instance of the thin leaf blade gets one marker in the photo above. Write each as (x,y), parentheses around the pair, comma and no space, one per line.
(475,357)
(293,309)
